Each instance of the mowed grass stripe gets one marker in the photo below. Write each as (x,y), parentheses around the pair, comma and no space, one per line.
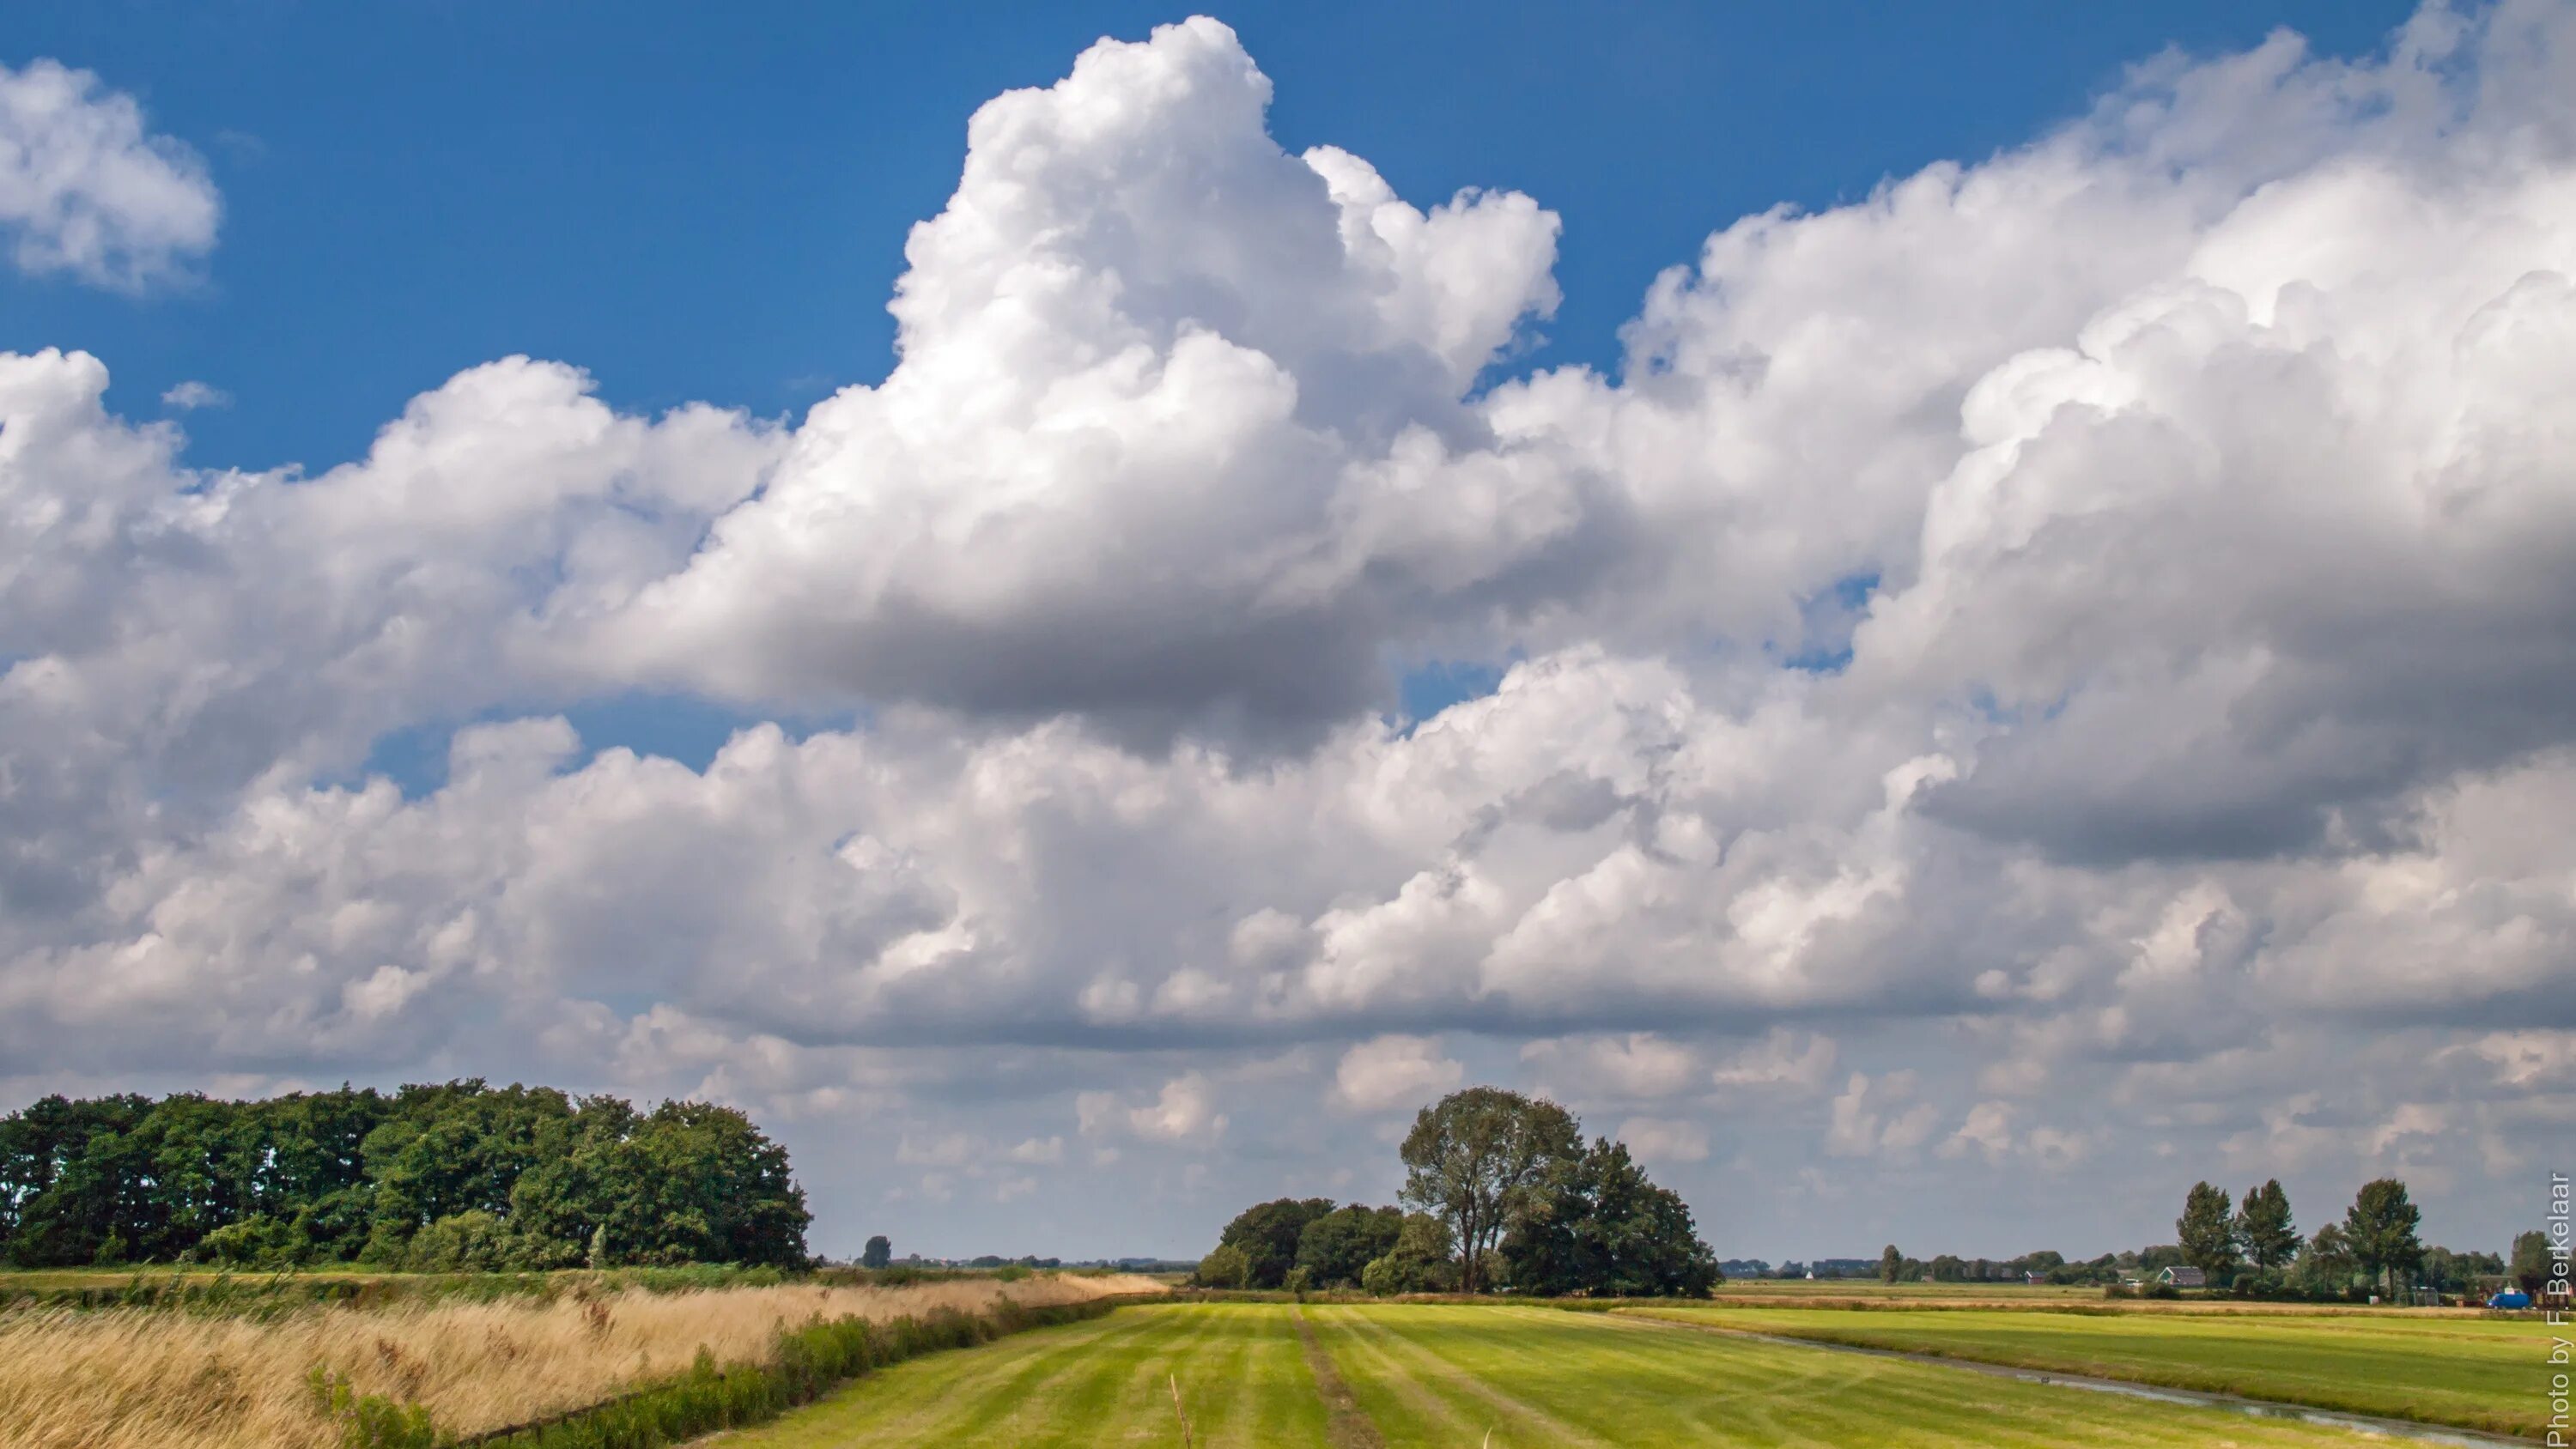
(1421,1345)
(1934,1405)
(2470,1373)
(1241,1370)
(1579,1378)
(939,1394)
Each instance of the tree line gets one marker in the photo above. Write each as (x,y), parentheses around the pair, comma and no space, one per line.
(2254,1246)
(459,1176)
(1502,1192)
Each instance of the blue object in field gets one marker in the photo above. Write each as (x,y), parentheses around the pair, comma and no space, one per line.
(2515,1299)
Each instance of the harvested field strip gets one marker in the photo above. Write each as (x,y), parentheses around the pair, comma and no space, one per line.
(2465,1372)
(154,1379)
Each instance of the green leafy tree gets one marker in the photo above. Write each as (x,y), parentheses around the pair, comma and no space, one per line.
(2325,1267)
(2531,1260)
(258,1241)
(1478,1159)
(2381,1225)
(2205,1232)
(1891,1265)
(1420,1261)
(2263,1226)
(878,1252)
(1226,1267)
(1268,1234)
(1336,1248)
(337,1176)
(1601,1227)
(2458,1272)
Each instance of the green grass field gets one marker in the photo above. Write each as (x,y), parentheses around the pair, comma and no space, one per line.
(1408,1375)
(2476,1373)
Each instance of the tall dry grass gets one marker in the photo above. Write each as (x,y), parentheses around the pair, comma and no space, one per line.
(150,1379)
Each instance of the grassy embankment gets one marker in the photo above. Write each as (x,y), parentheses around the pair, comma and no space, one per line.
(2465,1371)
(155,1378)
(1415,1376)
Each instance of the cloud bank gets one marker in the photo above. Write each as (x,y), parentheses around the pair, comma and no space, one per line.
(2069,660)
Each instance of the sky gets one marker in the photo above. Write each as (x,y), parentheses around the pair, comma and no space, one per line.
(1945,622)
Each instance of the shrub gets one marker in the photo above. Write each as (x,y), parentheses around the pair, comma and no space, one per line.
(256,1241)
(1227,1267)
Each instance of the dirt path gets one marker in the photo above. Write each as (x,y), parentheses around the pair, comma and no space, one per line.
(1346,1422)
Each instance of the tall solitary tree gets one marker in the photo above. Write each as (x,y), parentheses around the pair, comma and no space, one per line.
(2380,1225)
(2263,1226)
(878,1252)
(1478,1158)
(2205,1232)
(1891,1265)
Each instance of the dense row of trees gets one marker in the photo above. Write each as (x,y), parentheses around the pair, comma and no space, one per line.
(447,1177)
(1504,1194)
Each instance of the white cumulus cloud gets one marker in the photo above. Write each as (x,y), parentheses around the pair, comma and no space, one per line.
(87,189)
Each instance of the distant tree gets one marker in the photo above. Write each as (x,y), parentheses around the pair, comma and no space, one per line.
(1891,1265)
(1336,1248)
(1227,1267)
(1268,1234)
(1600,1226)
(2531,1262)
(2381,1225)
(2458,1272)
(877,1253)
(2263,1226)
(2325,1267)
(1477,1158)
(2205,1232)
(1420,1261)
(2157,1256)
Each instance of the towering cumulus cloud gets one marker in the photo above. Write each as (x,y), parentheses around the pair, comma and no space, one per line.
(2069,659)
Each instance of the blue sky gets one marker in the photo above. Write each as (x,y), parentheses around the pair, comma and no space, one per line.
(1958,718)
(710,202)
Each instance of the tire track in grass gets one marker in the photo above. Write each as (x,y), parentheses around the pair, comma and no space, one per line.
(1274,1400)
(1346,1424)
(1407,1411)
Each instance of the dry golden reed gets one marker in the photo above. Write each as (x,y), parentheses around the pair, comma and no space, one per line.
(150,1379)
